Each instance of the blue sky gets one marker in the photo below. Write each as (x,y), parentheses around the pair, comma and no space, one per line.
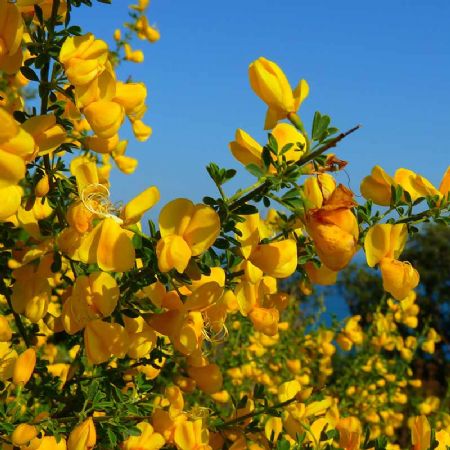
(384,64)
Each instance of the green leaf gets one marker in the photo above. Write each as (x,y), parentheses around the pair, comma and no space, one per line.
(286,148)
(242,402)
(39,14)
(283,445)
(266,157)
(112,437)
(273,144)
(29,73)
(221,243)
(315,124)
(246,210)
(254,170)
(20,116)
(229,174)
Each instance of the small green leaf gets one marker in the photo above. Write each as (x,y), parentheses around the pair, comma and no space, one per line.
(245,210)
(29,73)
(254,170)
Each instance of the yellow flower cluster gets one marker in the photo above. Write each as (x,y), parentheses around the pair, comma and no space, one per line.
(190,335)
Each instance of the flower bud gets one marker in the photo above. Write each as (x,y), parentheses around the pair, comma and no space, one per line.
(42,187)
(83,436)
(24,366)
(23,434)
(270,84)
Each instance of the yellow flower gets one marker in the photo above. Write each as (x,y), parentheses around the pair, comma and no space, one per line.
(11,197)
(11,31)
(318,190)
(277,259)
(265,320)
(145,31)
(31,291)
(147,440)
(383,245)
(432,338)
(399,278)
(245,149)
(83,436)
(416,185)
(23,434)
(420,433)
(271,85)
(132,97)
(109,246)
(103,340)
(135,208)
(385,241)
(286,134)
(186,230)
(83,57)
(322,275)
(5,330)
(46,133)
(42,186)
(273,428)
(208,378)
(377,187)
(351,334)
(191,435)
(47,443)
(443,438)
(136,56)
(105,117)
(94,296)
(349,433)
(444,187)
(102,145)
(16,148)
(141,131)
(126,164)
(288,390)
(102,87)
(142,338)
(334,229)
(24,367)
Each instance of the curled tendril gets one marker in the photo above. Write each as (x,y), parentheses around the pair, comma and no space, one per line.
(199,412)
(214,337)
(96,199)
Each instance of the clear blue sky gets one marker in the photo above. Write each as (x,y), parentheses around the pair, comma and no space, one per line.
(383,64)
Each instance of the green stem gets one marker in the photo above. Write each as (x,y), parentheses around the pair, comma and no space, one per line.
(255,413)
(250,196)
(238,194)
(419,217)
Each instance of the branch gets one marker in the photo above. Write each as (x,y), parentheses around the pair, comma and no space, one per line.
(256,413)
(266,184)
(330,144)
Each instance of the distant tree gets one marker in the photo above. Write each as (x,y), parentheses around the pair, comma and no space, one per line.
(429,253)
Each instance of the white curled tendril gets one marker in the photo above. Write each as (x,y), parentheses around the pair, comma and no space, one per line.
(96,199)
